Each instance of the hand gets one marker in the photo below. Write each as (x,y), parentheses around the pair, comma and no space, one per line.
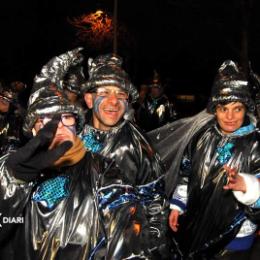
(28,162)
(234,180)
(173,220)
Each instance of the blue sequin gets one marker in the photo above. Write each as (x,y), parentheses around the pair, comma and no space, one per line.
(256,205)
(113,197)
(52,191)
(245,130)
(224,153)
(91,143)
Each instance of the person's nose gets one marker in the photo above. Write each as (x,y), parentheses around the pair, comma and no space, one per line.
(230,114)
(113,98)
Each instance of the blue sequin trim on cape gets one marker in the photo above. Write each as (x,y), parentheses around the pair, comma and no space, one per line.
(52,191)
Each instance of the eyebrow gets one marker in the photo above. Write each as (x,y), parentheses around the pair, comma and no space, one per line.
(225,106)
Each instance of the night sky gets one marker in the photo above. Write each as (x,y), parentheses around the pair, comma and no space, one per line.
(184,40)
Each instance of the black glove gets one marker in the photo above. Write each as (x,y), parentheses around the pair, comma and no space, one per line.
(28,162)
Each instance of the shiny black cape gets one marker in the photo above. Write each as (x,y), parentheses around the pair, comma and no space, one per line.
(96,214)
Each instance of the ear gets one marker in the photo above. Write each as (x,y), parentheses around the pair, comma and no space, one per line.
(89,100)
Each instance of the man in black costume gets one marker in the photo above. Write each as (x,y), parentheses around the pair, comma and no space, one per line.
(109,131)
(157,109)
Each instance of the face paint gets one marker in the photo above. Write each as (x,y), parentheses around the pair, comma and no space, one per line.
(108,111)
(72,129)
(97,102)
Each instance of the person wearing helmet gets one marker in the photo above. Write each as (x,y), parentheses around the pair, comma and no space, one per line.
(72,84)
(60,200)
(214,198)
(11,119)
(157,109)
(109,131)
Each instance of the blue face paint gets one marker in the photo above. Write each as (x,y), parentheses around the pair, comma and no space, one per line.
(99,99)
(97,102)
(125,104)
(72,129)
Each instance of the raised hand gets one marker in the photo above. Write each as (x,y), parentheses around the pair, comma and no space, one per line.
(28,162)
(234,180)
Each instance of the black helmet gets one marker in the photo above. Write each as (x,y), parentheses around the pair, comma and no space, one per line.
(230,85)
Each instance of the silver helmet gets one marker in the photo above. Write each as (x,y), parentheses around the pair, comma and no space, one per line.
(47,96)
(107,70)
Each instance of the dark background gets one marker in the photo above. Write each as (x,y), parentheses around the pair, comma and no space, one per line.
(184,40)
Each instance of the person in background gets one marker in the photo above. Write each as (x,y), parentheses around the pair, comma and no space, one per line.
(139,104)
(110,132)
(70,203)
(11,119)
(157,110)
(73,80)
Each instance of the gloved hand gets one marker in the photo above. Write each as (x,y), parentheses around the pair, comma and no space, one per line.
(28,162)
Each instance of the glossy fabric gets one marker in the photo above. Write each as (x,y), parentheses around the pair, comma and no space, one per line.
(47,95)
(127,146)
(10,132)
(80,212)
(171,140)
(213,216)
(140,165)
(155,112)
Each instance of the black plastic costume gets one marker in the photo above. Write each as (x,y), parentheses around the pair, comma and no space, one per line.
(10,132)
(83,211)
(214,216)
(155,112)
(130,150)
(10,123)
(194,151)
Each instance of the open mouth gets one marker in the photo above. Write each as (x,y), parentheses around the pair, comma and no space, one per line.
(111,110)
